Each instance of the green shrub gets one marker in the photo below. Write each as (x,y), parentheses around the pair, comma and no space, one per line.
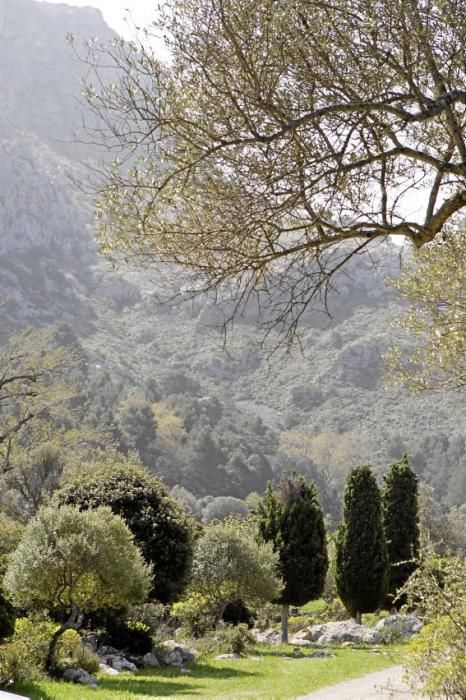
(23,657)
(10,533)
(234,639)
(298,622)
(206,646)
(73,653)
(153,615)
(334,612)
(436,660)
(266,614)
(195,615)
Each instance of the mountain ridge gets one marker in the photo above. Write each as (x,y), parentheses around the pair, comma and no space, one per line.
(322,411)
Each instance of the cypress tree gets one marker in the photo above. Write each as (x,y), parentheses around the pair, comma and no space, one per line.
(401,524)
(292,519)
(361,553)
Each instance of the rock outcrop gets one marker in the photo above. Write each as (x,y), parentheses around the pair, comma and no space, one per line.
(399,626)
(172,653)
(338,633)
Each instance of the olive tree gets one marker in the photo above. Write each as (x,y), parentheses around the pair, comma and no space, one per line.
(160,526)
(278,131)
(229,565)
(72,562)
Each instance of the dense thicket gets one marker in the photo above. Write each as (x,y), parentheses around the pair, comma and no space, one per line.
(160,527)
(361,554)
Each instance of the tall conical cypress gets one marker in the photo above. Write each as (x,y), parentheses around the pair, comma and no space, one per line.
(401,524)
(292,519)
(361,553)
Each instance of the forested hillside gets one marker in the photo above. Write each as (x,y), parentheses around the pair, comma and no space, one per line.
(217,420)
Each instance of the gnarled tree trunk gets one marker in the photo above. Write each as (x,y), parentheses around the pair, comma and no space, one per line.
(72,623)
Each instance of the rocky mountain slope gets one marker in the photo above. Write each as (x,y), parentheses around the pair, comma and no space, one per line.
(327,405)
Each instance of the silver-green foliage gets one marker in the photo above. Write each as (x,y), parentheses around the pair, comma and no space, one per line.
(229,565)
(83,559)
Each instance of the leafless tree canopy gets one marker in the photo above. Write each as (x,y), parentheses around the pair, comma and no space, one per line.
(279,129)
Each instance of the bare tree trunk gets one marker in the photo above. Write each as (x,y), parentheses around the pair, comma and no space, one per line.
(358,618)
(73,622)
(285,612)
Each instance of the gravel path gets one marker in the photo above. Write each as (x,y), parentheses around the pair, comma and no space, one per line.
(375,686)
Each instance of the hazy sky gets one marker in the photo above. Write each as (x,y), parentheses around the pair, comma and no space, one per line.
(142,11)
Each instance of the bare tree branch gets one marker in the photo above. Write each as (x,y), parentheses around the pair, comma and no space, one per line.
(278,131)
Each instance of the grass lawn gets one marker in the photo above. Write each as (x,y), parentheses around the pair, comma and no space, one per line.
(314,607)
(264,674)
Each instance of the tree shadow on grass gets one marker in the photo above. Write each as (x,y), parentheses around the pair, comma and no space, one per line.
(206,671)
(157,682)
(30,690)
(302,652)
(168,682)
(127,686)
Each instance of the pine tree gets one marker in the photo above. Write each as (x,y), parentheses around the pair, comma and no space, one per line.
(401,524)
(292,519)
(361,553)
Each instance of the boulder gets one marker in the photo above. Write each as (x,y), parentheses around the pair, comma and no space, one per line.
(118,662)
(340,632)
(109,670)
(174,653)
(79,675)
(151,660)
(399,626)
(269,636)
(105,650)
(300,642)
